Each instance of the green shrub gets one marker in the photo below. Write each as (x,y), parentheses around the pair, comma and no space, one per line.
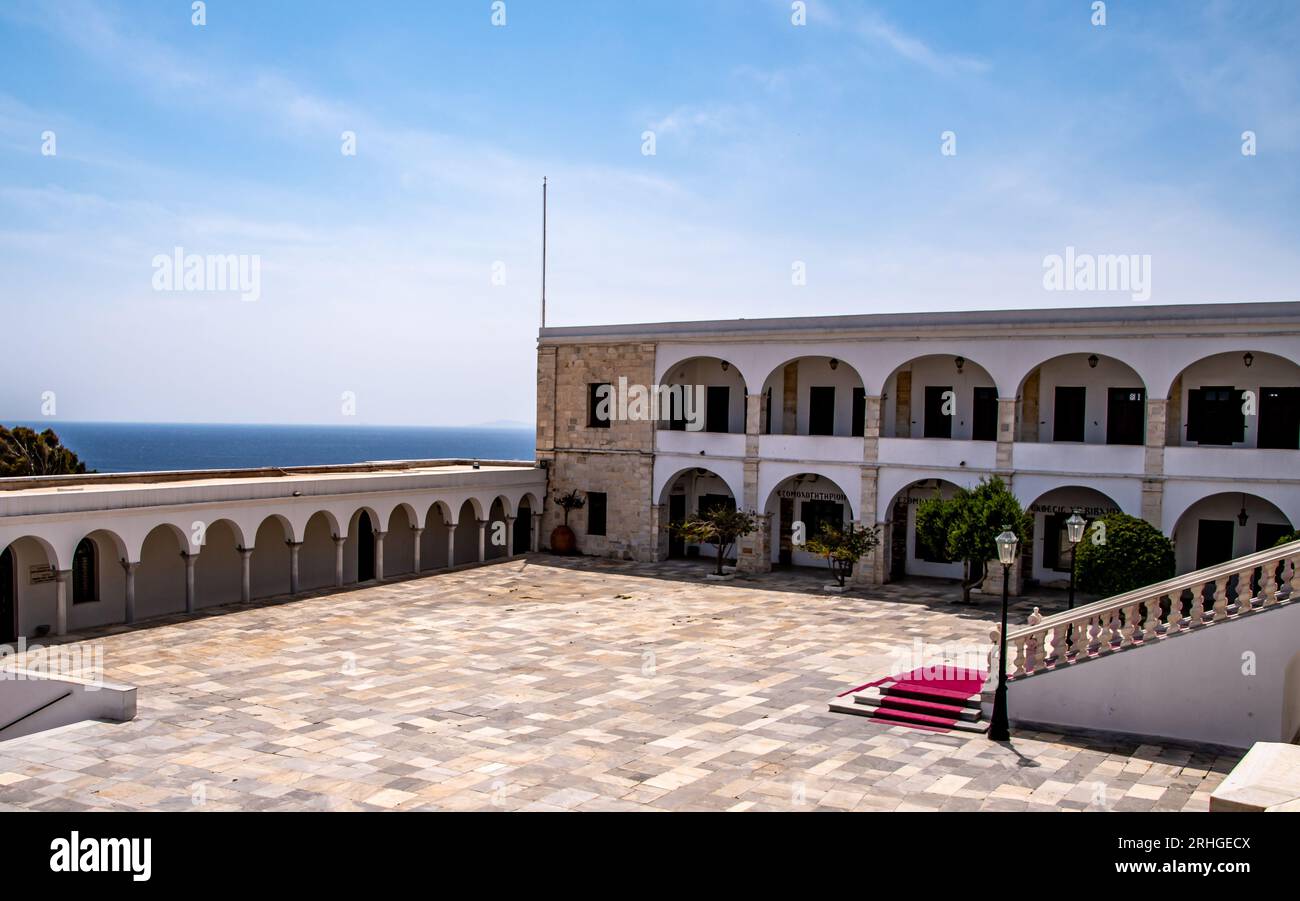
(1121,553)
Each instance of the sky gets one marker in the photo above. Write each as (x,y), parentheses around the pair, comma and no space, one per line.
(404,277)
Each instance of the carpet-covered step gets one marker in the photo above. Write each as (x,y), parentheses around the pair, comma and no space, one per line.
(928,693)
(915,702)
(898,717)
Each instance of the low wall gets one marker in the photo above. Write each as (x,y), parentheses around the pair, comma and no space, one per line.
(58,701)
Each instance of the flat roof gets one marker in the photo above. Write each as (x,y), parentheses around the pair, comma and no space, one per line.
(1114,316)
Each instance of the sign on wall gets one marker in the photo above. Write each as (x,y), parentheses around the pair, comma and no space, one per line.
(39,574)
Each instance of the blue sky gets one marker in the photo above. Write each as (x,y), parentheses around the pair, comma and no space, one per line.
(774,144)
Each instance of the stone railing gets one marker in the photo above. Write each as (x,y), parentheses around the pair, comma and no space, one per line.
(1154,613)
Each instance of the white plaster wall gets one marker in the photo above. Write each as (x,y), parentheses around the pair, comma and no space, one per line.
(160,580)
(36,603)
(399,544)
(433,542)
(111,589)
(1189,687)
(316,556)
(218,570)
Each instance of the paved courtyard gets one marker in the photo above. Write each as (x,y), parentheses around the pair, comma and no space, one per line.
(542,684)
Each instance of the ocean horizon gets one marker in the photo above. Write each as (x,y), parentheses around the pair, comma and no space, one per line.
(114,447)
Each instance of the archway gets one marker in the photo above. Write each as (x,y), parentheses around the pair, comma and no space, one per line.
(1082,397)
(359,549)
(1208,404)
(1050,553)
(399,542)
(1222,526)
(799,506)
(495,545)
(707,390)
(219,569)
(813,395)
(28,591)
(524,525)
(160,578)
(906,553)
(940,396)
(433,543)
(316,557)
(270,563)
(467,534)
(688,493)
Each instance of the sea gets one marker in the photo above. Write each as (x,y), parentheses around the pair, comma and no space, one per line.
(149,447)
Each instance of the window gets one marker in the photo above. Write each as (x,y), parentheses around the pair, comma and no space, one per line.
(598,392)
(859,412)
(821,411)
(1070,412)
(1279,418)
(717,409)
(1214,415)
(938,422)
(1056,543)
(709,502)
(597,502)
(1125,416)
(84,582)
(984,426)
(819,513)
(767,412)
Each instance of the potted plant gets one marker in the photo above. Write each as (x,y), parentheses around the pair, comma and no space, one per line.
(563,541)
(842,548)
(719,526)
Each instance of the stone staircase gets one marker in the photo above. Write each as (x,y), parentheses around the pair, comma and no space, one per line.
(915,704)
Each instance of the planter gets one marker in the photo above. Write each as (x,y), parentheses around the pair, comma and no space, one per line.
(834,588)
(725,577)
(563,541)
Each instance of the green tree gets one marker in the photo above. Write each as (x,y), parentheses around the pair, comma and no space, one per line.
(1287,539)
(965,526)
(842,548)
(569,502)
(24,452)
(719,526)
(1119,553)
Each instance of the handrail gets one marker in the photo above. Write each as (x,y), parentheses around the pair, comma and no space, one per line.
(1173,587)
(34,712)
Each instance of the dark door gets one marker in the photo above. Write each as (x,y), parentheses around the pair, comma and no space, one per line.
(717,408)
(1279,418)
(1214,415)
(523,531)
(676,513)
(8,598)
(859,412)
(821,411)
(1070,411)
(365,549)
(1268,534)
(984,424)
(1125,415)
(1213,542)
(938,424)
(785,546)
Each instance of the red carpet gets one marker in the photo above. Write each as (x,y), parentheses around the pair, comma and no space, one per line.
(927,698)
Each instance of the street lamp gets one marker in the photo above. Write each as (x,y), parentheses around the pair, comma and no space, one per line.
(1074,529)
(1000,729)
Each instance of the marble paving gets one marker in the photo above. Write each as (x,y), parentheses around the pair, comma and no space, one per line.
(547,684)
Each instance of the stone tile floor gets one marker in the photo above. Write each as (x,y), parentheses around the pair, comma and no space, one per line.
(547,684)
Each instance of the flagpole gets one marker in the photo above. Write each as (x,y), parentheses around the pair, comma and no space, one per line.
(543,251)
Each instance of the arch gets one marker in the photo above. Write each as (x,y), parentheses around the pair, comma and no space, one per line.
(496,545)
(809,498)
(467,532)
(786,400)
(1050,553)
(1082,396)
(28,593)
(316,556)
(108,604)
(1211,529)
(711,374)
(359,548)
(399,541)
(160,578)
(268,567)
(905,554)
(218,571)
(443,511)
(689,492)
(914,405)
(433,542)
(523,537)
(1199,417)
(733,480)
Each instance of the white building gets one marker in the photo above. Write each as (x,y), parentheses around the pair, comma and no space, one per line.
(91,550)
(1186,416)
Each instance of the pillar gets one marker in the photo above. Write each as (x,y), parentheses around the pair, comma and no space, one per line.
(339,542)
(245,574)
(416,533)
(61,601)
(379,555)
(869,569)
(130,589)
(451,544)
(871,436)
(1153,471)
(510,535)
(537,533)
(755,555)
(294,546)
(753,423)
(1006,433)
(190,560)
(482,540)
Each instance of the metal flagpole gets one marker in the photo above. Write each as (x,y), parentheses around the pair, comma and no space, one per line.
(543,251)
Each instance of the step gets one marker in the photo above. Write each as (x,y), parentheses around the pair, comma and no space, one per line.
(927,693)
(873,697)
(904,718)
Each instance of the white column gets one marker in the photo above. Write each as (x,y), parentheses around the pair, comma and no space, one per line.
(190,560)
(130,589)
(482,540)
(417,532)
(451,544)
(536,537)
(61,601)
(379,555)
(510,536)
(338,560)
(245,574)
(294,547)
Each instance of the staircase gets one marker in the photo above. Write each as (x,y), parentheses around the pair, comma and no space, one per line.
(915,704)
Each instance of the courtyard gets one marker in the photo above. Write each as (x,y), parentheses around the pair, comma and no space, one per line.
(555,684)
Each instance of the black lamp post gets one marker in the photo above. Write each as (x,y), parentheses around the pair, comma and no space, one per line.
(1000,728)
(1074,530)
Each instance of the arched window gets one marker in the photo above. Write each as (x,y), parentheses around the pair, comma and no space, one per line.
(85,583)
